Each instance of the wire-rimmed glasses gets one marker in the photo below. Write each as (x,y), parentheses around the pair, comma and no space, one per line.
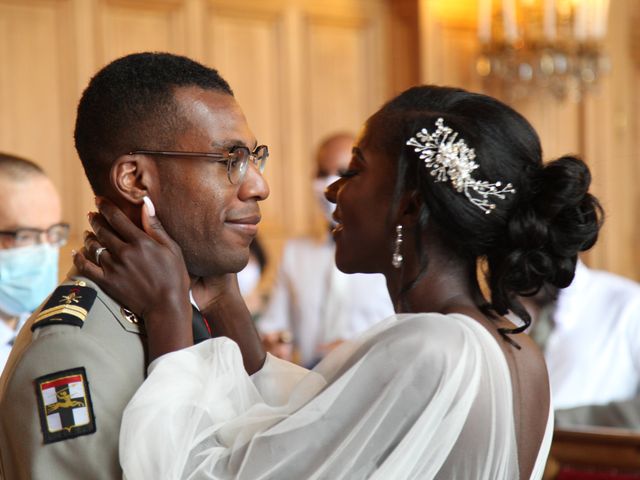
(236,158)
(56,235)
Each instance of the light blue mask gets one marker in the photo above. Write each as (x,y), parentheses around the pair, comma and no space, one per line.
(27,276)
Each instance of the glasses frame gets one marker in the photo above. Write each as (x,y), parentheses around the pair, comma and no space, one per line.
(221,157)
(39,232)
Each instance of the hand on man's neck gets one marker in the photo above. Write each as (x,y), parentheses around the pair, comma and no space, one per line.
(219,300)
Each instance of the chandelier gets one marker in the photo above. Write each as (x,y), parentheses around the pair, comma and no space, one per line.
(554,46)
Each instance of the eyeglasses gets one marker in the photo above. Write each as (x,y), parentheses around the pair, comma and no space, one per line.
(236,159)
(56,235)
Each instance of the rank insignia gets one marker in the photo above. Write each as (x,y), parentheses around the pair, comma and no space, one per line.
(69,304)
(64,403)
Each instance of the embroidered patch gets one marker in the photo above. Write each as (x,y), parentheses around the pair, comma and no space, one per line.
(64,403)
(69,304)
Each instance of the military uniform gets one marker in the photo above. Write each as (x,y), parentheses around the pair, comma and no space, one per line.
(74,367)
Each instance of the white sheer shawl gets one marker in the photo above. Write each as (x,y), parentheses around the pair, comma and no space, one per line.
(419,396)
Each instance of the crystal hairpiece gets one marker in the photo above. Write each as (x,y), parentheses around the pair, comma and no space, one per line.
(452,161)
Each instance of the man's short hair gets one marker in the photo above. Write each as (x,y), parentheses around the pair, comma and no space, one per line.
(17,168)
(129,105)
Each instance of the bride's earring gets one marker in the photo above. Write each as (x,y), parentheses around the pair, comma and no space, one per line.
(396,259)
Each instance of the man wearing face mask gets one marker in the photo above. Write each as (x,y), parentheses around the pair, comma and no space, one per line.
(313,304)
(30,237)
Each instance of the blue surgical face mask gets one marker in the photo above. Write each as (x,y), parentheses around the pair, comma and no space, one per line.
(27,276)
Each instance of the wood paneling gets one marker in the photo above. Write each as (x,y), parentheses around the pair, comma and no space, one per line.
(37,87)
(138,26)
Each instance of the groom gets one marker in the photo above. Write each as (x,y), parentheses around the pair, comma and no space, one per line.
(148,125)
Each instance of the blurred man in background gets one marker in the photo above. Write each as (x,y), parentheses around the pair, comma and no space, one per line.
(30,237)
(590,335)
(313,305)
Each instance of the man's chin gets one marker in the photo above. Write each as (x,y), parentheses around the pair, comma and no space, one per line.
(222,265)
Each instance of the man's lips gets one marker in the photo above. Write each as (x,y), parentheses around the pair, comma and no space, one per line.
(248,224)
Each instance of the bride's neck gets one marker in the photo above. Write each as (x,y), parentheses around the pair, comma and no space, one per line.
(442,290)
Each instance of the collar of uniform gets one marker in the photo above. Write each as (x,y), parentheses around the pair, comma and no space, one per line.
(127,320)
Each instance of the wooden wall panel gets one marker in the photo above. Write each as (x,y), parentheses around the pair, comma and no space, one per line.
(337,87)
(403,47)
(610,122)
(137,26)
(37,85)
(36,74)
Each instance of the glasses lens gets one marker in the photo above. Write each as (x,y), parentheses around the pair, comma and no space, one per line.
(237,164)
(260,157)
(58,235)
(27,237)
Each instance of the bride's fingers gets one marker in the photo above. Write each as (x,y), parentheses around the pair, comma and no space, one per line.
(118,222)
(87,268)
(94,251)
(104,233)
(152,225)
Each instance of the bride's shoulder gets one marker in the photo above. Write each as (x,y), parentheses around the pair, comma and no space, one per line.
(426,334)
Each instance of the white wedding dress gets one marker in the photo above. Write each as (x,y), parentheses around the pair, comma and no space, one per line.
(419,396)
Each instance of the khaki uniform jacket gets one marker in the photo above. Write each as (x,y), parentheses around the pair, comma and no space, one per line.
(65,387)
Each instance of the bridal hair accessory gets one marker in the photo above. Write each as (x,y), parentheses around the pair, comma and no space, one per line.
(396,259)
(453,161)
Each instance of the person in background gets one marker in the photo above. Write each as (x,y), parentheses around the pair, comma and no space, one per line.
(590,335)
(250,276)
(31,234)
(313,304)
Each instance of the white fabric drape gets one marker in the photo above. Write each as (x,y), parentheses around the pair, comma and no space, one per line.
(419,396)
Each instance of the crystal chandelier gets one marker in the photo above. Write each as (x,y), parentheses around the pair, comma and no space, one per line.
(555,46)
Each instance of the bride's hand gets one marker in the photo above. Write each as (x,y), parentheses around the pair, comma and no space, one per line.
(142,270)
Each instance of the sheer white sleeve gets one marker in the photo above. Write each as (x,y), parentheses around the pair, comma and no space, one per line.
(420,396)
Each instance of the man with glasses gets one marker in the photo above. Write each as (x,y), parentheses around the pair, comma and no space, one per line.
(155,129)
(31,235)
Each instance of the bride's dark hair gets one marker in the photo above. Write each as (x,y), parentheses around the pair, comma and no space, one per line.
(533,236)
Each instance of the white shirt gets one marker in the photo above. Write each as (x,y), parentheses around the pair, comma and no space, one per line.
(593,353)
(418,396)
(8,335)
(319,304)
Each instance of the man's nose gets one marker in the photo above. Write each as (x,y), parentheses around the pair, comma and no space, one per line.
(254,185)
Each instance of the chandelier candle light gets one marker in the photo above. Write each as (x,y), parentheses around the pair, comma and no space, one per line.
(553,45)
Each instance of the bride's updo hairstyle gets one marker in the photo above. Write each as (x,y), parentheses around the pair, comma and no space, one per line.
(526,237)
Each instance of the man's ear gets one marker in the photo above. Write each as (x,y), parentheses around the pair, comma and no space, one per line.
(132,176)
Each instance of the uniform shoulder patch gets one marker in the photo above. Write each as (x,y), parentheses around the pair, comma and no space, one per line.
(64,404)
(68,304)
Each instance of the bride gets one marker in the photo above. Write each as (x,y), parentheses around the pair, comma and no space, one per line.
(442,184)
